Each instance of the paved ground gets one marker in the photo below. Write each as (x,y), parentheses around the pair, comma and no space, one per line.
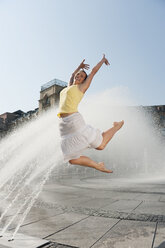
(98,213)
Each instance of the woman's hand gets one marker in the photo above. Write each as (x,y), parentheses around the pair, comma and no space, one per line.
(81,66)
(84,66)
(105,60)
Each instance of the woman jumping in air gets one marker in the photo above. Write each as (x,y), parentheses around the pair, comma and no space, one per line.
(76,135)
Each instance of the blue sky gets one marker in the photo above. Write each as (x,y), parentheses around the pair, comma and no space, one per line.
(45,39)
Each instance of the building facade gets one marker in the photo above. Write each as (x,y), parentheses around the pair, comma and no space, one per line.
(49,94)
(49,97)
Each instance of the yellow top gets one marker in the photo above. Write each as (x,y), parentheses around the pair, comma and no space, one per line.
(70,97)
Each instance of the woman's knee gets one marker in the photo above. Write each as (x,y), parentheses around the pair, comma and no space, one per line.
(101,147)
(74,161)
(71,161)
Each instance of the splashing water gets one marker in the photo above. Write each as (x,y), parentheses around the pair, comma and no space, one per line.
(28,203)
(30,152)
(136,150)
(33,150)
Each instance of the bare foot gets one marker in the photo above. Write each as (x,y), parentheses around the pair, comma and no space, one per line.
(118,125)
(101,167)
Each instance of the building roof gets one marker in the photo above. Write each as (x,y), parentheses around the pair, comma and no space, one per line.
(18,112)
(53,82)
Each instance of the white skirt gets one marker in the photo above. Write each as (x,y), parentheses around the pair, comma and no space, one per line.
(77,136)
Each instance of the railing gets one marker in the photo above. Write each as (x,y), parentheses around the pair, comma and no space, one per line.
(53,82)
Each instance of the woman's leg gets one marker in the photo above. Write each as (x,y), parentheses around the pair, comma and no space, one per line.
(107,136)
(85,161)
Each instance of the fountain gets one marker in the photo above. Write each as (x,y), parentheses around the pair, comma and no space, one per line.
(31,155)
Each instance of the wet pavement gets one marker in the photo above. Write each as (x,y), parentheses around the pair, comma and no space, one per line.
(97,212)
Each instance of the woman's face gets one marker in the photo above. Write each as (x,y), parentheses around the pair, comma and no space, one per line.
(79,77)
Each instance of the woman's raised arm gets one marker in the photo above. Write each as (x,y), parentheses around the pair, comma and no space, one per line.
(81,66)
(85,85)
